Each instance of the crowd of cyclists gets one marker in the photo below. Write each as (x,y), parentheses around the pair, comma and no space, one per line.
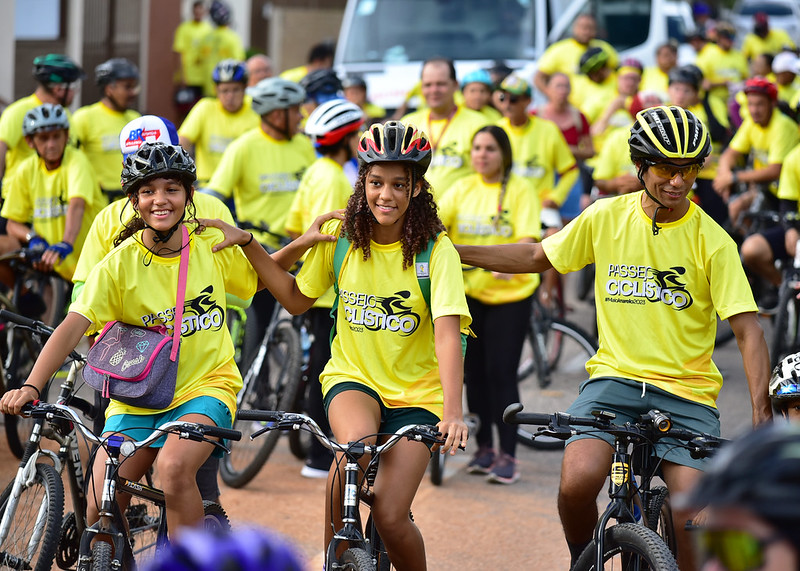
(264,170)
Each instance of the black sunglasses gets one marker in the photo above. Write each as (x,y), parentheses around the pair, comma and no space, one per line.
(508,96)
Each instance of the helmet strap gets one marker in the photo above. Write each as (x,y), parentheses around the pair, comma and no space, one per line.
(640,175)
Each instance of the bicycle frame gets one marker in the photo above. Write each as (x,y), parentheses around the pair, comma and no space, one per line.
(351,531)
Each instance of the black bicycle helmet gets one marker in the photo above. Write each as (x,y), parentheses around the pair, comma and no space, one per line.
(157,160)
(230,70)
(275,93)
(785,381)
(220,13)
(56,68)
(394,141)
(354,81)
(592,60)
(760,473)
(666,133)
(321,82)
(115,69)
(45,117)
(688,74)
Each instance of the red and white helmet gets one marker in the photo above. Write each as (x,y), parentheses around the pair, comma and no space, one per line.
(330,122)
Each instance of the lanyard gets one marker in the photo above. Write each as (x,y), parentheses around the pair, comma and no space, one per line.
(435,144)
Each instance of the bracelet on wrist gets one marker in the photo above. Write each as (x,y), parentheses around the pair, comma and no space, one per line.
(248,242)
(38,392)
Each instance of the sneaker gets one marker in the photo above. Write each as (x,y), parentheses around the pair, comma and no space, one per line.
(314,473)
(504,470)
(482,461)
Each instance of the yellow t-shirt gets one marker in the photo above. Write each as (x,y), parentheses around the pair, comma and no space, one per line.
(123,288)
(95,130)
(188,42)
(540,152)
(469,212)
(657,297)
(768,145)
(789,186)
(655,81)
(718,65)
(263,174)
(492,115)
(565,55)
(324,188)
(108,224)
(35,194)
(384,328)
(295,74)
(776,41)
(614,158)
(451,141)
(219,44)
(212,129)
(11,132)
(590,97)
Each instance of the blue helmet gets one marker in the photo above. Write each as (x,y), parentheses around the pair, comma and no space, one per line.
(230,70)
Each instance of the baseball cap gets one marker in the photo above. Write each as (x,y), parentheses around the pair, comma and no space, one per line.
(147,129)
(785,61)
(515,85)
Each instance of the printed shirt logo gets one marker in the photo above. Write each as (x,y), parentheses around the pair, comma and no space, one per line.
(638,284)
(481,225)
(201,313)
(374,313)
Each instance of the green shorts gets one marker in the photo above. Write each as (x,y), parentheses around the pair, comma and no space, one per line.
(392,419)
(624,397)
(140,426)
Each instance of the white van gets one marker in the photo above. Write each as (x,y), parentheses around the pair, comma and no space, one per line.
(386,41)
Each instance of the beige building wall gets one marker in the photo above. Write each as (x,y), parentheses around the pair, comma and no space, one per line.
(293,31)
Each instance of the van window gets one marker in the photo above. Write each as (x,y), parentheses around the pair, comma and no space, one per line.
(623,23)
(676,29)
(389,31)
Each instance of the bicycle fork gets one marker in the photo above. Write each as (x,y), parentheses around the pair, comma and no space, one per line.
(350,531)
(619,492)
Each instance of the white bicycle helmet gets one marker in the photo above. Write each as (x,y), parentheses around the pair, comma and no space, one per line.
(785,382)
(330,122)
(275,93)
(45,117)
(230,70)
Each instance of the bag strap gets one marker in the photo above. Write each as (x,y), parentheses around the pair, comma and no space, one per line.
(339,254)
(422,267)
(182,275)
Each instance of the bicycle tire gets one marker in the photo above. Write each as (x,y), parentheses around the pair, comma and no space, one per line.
(22,353)
(629,546)
(145,518)
(437,468)
(214,517)
(379,555)
(575,348)
(38,511)
(271,387)
(356,559)
(102,556)
(300,440)
(659,517)
(787,323)
(584,284)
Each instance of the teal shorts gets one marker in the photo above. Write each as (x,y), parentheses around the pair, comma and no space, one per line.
(392,419)
(140,426)
(624,398)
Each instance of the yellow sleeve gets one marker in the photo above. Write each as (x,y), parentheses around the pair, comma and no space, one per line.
(17,205)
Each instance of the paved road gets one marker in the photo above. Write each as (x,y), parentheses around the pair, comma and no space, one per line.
(467,523)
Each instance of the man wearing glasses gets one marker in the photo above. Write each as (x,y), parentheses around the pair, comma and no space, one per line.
(665,270)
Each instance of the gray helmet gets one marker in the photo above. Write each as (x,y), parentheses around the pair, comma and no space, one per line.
(157,160)
(275,93)
(114,69)
(45,117)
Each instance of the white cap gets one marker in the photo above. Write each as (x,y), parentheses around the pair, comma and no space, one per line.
(785,61)
(146,129)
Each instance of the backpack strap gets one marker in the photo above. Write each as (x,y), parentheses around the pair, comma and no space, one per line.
(422,267)
(339,254)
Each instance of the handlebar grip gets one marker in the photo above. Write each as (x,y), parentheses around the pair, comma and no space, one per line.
(6,315)
(262,415)
(227,433)
(512,415)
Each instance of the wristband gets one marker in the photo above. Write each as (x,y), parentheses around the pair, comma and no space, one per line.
(248,242)
(38,392)
(63,249)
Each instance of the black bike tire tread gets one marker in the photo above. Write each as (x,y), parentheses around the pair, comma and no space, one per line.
(580,336)
(102,556)
(240,478)
(358,559)
(630,538)
(654,511)
(213,510)
(437,468)
(48,478)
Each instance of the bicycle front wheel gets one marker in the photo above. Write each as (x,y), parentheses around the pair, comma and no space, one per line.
(271,383)
(787,326)
(567,348)
(145,518)
(659,517)
(629,546)
(356,559)
(35,524)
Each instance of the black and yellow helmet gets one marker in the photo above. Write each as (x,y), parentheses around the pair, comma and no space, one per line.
(664,133)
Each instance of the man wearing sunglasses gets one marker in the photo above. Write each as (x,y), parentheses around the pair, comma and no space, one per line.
(664,270)
(752,490)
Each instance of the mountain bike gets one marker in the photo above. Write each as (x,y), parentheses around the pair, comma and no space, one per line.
(551,368)
(786,329)
(363,548)
(271,380)
(644,535)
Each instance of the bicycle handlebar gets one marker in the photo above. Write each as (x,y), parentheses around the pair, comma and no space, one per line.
(35,326)
(296,421)
(188,430)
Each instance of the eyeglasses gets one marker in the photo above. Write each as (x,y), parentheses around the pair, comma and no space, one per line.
(670,171)
(508,97)
(735,549)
